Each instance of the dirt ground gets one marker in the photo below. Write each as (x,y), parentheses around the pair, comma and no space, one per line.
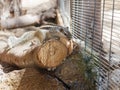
(68,76)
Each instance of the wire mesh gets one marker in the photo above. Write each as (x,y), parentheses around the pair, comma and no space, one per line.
(96,26)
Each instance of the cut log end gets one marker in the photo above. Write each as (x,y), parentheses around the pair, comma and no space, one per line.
(51,54)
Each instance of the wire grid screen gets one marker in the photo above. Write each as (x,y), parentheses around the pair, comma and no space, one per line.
(96,26)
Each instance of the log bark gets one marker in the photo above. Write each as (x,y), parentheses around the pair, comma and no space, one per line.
(32,50)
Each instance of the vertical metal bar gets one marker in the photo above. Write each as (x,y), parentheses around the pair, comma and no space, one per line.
(73,13)
(81,16)
(84,25)
(93,28)
(111,36)
(99,68)
(86,34)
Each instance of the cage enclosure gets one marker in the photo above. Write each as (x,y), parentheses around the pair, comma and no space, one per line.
(95,26)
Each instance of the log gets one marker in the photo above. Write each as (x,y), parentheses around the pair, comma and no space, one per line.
(33,51)
(51,54)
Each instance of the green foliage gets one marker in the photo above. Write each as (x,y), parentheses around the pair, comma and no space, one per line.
(90,73)
(87,70)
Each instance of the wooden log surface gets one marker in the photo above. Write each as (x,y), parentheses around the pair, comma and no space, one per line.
(34,48)
(30,50)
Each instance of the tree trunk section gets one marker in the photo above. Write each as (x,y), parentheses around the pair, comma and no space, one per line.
(30,50)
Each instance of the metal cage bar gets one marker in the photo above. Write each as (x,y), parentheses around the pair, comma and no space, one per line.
(96,25)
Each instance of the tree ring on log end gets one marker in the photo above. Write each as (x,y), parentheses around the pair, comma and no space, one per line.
(51,54)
